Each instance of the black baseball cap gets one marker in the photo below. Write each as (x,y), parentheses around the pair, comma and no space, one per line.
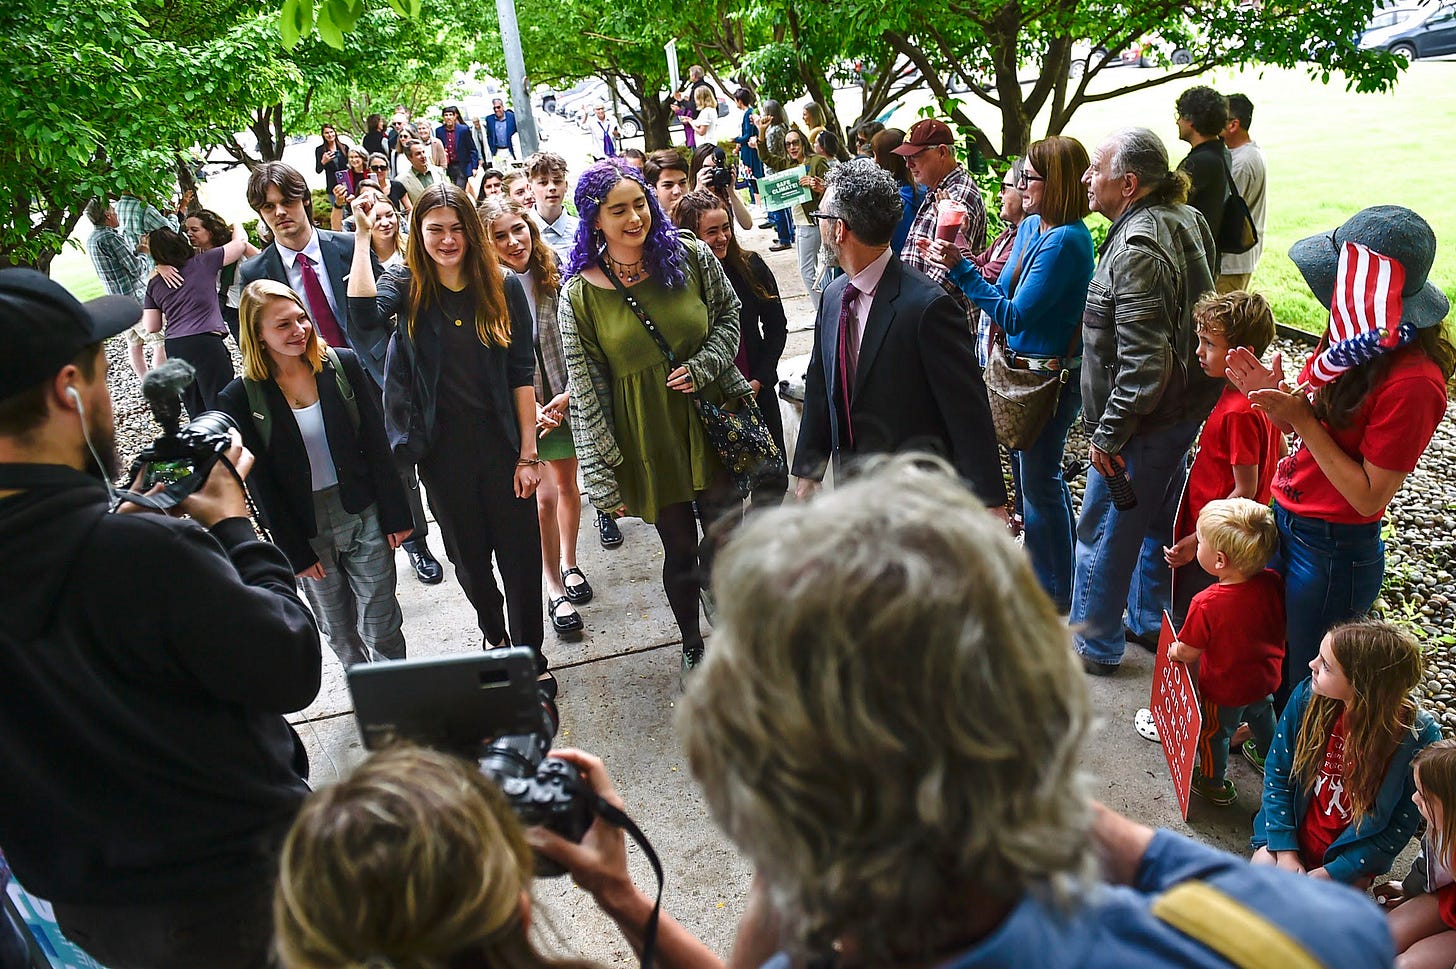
(43,327)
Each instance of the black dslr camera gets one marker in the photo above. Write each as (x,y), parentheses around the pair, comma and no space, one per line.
(181,457)
(451,703)
(542,790)
(720,177)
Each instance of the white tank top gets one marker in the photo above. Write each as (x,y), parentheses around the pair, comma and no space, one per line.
(316,442)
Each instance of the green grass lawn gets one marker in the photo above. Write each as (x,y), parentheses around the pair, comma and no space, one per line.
(1330,153)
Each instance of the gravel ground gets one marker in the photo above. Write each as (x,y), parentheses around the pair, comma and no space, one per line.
(1420,533)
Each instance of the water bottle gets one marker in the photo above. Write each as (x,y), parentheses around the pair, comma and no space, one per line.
(1119,486)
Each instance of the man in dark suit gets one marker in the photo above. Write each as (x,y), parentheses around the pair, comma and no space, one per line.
(500,129)
(894,364)
(460,153)
(315,264)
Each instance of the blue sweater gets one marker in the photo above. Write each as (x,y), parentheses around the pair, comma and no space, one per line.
(910,196)
(1368,848)
(1043,311)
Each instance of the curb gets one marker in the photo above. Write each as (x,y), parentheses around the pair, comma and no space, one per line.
(1287,332)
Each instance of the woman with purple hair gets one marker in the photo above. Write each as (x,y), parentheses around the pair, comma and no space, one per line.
(642,446)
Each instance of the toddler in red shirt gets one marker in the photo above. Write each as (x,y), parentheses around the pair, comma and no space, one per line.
(1238,448)
(1235,633)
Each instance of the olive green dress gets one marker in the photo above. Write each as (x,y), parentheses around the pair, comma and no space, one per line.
(666,456)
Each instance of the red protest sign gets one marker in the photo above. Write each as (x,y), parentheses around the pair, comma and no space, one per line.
(1177,714)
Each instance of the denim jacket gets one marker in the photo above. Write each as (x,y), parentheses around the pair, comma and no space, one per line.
(1139,363)
(1118,926)
(1367,848)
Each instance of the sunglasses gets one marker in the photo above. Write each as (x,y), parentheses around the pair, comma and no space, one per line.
(379,168)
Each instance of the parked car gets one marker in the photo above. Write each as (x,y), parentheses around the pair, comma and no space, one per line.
(1426,31)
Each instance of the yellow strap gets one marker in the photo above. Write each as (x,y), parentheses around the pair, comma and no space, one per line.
(1230,928)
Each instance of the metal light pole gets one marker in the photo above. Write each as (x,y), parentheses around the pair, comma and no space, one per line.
(516,72)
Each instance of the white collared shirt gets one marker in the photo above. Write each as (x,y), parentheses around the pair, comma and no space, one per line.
(561,234)
(295,275)
(867,280)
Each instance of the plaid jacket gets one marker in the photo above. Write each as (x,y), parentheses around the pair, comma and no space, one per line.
(591,383)
(551,375)
(122,270)
(959,186)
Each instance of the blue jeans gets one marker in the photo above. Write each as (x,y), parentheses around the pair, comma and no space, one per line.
(1120,553)
(1045,501)
(783,225)
(1331,572)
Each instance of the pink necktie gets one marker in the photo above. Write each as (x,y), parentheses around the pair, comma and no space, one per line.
(318,304)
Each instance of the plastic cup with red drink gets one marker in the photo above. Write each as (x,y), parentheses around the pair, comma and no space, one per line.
(950,216)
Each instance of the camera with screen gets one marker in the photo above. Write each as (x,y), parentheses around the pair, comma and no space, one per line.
(487,708)
(182,456)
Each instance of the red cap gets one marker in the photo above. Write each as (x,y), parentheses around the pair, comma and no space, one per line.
(923,134)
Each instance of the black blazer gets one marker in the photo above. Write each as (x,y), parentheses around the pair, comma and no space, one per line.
(762,323)
(368,338)
(412,383)
(917,386)
(281,482)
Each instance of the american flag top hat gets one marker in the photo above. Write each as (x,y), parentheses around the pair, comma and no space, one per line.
(1365,315)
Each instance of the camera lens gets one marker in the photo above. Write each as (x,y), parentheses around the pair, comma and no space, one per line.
(211,422)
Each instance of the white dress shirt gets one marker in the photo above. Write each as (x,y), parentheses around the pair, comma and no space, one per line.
(295,275)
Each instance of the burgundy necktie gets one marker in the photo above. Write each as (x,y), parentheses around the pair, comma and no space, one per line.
(318,304)
(848,355)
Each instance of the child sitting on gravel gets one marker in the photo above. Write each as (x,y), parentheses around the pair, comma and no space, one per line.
(1338,781)
(1238,447)
(1424,927)
(1235,633)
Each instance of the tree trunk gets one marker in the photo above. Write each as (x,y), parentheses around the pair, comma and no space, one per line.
(186,180)
(653,112)
(814,76)
(936,83)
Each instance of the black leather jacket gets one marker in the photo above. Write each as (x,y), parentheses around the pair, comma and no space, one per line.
(1139,364)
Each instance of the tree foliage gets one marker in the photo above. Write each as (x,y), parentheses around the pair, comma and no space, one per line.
(108,96)
(86,109)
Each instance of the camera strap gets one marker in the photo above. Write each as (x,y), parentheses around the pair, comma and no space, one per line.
(615,816)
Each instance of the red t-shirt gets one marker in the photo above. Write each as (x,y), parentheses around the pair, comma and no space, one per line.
(1233,434)
(1240,628)
(1446,901)
(1390,430)
(1328,814)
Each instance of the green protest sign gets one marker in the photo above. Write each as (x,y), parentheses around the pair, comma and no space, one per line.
(782,190)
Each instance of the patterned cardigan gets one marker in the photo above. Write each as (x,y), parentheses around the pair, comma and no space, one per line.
(591,385)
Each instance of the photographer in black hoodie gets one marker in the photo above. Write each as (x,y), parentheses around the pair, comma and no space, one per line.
(147,773)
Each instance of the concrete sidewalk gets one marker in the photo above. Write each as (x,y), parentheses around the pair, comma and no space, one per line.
(618,694)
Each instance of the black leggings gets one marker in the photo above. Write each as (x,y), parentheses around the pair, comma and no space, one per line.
(209,356)
(687,563)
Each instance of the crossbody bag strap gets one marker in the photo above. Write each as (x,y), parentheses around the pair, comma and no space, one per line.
(641,315)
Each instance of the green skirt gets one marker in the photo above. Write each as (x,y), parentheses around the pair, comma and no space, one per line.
(557,445)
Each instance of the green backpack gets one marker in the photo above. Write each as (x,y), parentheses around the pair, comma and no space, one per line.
(263,417)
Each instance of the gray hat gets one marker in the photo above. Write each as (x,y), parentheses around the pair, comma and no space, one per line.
(1391,230)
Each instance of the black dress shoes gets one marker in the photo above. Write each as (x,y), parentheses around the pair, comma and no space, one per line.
(427,569)
(607,527)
